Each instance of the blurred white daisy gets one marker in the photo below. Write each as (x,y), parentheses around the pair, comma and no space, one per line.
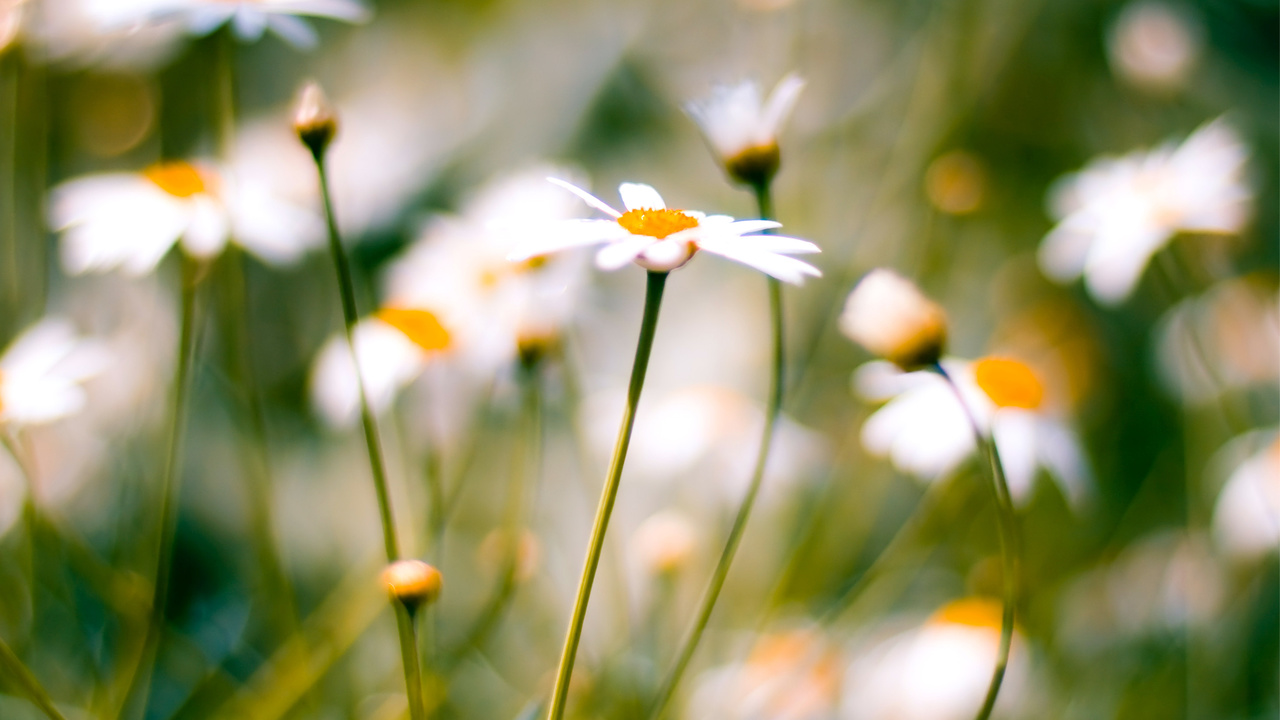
(1227,338)
(924,431)
(787,676)
(392,347)
(662,239)
(937,671)
(1117,213)
(1154,45)
(131,220)
(743,130)
(249,19)
(43,371)
(1246,519)
(886,314)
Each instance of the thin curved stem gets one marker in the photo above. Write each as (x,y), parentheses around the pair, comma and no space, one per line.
(652,304)
(11,666)
(1010,551)
(346,287)
(171,485)
(721,572)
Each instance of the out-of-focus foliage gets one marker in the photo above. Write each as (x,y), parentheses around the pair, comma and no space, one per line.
(945,139)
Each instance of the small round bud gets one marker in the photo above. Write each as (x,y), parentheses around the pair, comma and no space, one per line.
(665,542)
(412,582)
(314,119)
(890,317)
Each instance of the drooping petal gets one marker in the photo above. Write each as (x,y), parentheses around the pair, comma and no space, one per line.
(621,252)
(638,196)
(782,267)
(566,235)
(778,244)
(587,197)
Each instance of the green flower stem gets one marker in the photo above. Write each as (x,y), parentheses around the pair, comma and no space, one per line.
(657,282)
(28,686)
(139,684)
(721,572)
(346,287)
(1010,551)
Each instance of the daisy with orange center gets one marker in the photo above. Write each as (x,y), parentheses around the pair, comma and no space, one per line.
(661,239)
(130,221)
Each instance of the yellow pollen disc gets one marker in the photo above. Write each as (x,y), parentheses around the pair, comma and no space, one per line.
(177,178)
(656,223)
(1009,383)
(972,612)
(420,326)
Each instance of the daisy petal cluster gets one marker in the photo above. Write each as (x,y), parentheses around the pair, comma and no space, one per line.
(131,220)
(661,239)
(1117,213)
(249,19)
(924,430)
(743,129)
(42,371)
(890,317)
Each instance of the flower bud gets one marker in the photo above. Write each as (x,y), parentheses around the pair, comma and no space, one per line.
(314,119)
(890,317)
(665,542)
(412,582)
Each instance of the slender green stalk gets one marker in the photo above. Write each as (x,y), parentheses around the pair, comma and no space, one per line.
(657,282)
(346,287)
(1010,551)
(721,572)
(12,668)
(139,684)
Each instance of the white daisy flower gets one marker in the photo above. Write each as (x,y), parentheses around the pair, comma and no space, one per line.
(1116,213)
(249,19)
(392,348)
(939,670)
(891,318)
(787,676)
(1246,519)
(924,431)
(1154,45)
(42,372)
(662,239)
(130,220)
(743,130)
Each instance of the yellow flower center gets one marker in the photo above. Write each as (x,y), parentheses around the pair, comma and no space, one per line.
(1009,383)
(179,179)
(972,612)
(656,223)
(420,326)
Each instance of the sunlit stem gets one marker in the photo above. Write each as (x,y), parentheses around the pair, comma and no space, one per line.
(171,482)
(346,287)
(19,676)
(652,304)
(721,572)
(1009,547)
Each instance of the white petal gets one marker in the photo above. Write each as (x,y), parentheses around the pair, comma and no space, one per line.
(587,197)
(781,102)
(566,235)
(293,30)
(621,252)
(638,196)
(743,227)
(778,244)
(786,269)
(1014,432)
(248,23)
(388,362)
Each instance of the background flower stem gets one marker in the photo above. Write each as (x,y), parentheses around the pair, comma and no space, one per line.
(1010,551)
(764,201)
(657,282)
(346,287)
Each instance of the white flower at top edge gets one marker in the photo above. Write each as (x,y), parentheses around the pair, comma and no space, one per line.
(1117,213)
(661,239)
(249,19)
(923,430)
(130,220)
(42,371)
(743,129)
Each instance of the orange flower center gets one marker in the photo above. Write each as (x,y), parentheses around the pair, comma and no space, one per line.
(1009,383)
(656,223)
(972,612)
(420,326)
(179,179)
